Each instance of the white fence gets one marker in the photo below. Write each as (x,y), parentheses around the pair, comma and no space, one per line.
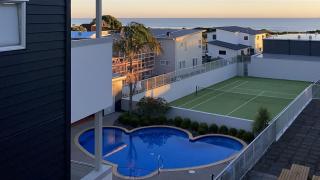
(210,118)
(169,78)
(238,168)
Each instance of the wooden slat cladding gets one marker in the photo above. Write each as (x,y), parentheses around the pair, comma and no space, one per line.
(33,85)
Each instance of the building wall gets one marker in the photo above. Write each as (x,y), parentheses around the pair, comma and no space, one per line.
(168,54)
(299,68)
(187,86)
(34,97)
(213,51)
(91,77)
(292,47)
(188,48)
(210,36)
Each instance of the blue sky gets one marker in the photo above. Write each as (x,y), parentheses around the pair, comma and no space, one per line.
(200,8)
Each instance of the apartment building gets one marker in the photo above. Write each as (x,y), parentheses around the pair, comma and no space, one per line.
(182,48)
(226,41)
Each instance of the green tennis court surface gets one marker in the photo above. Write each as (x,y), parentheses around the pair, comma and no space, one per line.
(243,96)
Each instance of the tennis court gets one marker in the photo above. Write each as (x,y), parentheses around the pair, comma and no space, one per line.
(243,96)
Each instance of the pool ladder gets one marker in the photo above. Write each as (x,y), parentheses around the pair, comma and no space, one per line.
(160,163)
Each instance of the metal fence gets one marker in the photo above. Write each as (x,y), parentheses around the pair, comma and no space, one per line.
(238,168)
(178,75)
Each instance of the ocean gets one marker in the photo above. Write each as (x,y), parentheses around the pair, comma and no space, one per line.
(273,24)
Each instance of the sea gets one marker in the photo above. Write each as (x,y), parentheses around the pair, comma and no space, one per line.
(273,24)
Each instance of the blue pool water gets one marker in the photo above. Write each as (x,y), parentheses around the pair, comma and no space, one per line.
(144,151)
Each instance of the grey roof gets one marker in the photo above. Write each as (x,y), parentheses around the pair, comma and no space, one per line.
(174,33)
(228,45)
(241,29)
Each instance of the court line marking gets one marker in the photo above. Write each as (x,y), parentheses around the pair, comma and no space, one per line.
(275,92)
(245,103)
(218,95)
(207,93)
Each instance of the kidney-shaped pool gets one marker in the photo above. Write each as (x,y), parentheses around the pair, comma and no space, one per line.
(144,151)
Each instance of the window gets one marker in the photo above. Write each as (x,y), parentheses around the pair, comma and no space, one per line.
(164,62)
(182,64)
(200,44)
(246,38)
(13,19)
(214,37)
(194,61)
(258,37)
(222,52)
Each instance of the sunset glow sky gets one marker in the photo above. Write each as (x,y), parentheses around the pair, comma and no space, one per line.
(200,8)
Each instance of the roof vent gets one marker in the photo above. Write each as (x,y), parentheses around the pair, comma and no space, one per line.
(310,37)
(299,36)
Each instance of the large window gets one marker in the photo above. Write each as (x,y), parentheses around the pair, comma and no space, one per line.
(214,37)
(13,25)
(246,38)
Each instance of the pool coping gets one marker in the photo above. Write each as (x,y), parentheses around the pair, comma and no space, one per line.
(158,171)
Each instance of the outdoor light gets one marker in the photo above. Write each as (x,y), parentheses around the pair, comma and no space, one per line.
(13,29)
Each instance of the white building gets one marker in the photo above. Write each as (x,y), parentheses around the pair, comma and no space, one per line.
(182,48)
(226,50)
(238,36)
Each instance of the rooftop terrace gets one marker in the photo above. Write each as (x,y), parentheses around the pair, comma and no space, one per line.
(302,37)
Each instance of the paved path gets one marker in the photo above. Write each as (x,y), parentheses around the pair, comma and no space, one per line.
(299,145)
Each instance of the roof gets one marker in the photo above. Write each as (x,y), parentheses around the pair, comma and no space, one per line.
(241,29)
(174,33)
(228,45)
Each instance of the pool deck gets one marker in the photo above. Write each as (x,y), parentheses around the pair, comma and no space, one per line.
(82,164)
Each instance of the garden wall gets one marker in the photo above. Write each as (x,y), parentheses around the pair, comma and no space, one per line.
(209,118)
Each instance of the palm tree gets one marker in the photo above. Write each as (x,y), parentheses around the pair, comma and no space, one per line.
(134,39)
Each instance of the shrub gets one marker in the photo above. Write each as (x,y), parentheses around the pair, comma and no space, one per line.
(161,120)
(153,107)
(233,132)
(261,121)
(186,123)
(144,121)
(177,121)
(203,128)
(223,130)
(124,118)
(213,128)
(194,126)
(241,133)
(170,122)
(134,121)
(248,137)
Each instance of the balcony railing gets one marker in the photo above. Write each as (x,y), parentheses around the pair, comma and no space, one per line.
(158,81)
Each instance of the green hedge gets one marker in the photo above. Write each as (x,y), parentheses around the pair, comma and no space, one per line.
(196,128)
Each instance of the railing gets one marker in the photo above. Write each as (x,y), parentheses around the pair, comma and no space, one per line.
(238,168)
(178,75)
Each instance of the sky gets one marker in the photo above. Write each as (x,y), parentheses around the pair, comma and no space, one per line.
(200,8)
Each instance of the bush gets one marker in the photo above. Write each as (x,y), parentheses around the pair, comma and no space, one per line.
(223,130)
(153,107)
(194,126)
(161,120)
(134,121)
(177,121)
(213,128)
(233,132)
(170,122)
(124,118)
(186,123)
(144,121)
(203,128)
(261,121)
(248,137)
(241,133)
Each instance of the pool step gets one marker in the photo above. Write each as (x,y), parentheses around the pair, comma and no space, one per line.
(105,173)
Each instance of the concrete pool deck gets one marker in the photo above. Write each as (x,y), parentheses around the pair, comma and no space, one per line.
(82,164)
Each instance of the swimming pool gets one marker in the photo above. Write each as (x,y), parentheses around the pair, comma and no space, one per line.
(144,151)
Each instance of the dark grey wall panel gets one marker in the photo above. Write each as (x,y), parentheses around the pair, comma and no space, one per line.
(276,46)
(34,97)
(300,48)
(315,48)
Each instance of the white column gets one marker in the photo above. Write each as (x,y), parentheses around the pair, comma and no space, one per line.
(98,140)
(98,18)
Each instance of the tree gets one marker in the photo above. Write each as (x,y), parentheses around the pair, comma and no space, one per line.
(152,107)
(112,22)
(261,121)
(134,39)
(78,28)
